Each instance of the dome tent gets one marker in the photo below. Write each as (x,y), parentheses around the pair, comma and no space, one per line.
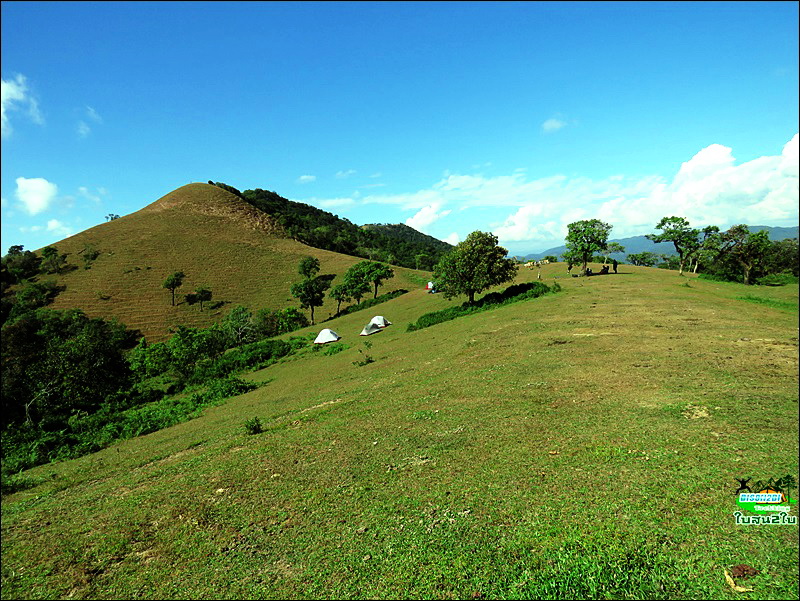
(370,328)
(380,321)
(325,336)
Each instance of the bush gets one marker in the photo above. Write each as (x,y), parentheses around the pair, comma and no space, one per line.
(777,279)
(512,294)
(253,426)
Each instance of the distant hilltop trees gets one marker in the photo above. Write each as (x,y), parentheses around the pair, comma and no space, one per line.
(395,244)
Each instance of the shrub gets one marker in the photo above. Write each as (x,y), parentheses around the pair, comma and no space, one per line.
(253,426)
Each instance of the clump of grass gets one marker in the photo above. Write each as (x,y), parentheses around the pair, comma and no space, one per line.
(253,426)
(334,348)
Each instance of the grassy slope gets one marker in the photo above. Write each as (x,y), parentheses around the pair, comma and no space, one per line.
(582,444)
(216,239)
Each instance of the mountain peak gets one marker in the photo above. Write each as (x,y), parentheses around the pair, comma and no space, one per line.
(207,199)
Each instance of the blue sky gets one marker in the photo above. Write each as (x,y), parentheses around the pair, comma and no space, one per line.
(516,118)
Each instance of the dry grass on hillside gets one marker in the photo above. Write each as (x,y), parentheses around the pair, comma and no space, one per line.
(216,239)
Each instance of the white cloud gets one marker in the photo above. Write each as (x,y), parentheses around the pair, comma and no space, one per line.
(378,174)
(14,95)
(58,228)
(306,179)
(83,129)
(94,197)
(36,194)
(344,174)
(552,124)
(709,188)
(331,203)
(426,216)
(92,114)
(452,239)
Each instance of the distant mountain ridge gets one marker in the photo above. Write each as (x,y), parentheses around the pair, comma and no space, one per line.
(638,244)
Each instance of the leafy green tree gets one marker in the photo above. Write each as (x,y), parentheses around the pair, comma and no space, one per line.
(309,267)
(683,237)
(239,326)
(52,261)
(341,294)
(423,261)
(20,264)
(33,295)
(611,248)
(269,322)
(474,265)
(376,274)
(311,291)
(56,364)
(644,259)
(586,237)
(204,295)
(356,281)
(747,249)
(173,282)
(89,255)
(551,258)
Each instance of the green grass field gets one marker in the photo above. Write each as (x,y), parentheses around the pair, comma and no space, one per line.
(584,444)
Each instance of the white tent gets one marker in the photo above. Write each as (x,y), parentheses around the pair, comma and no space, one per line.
(380,321)
(326,335)
(370,328)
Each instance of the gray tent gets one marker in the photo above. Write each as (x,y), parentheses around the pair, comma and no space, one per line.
(369,329)
(380,321)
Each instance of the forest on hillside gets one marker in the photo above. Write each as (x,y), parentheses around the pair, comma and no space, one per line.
(396,245)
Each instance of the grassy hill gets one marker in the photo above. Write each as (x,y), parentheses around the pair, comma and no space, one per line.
(584,444)
(217,239)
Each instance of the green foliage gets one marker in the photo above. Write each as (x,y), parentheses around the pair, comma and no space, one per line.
(341,294)
(253,426)
(584,238)
(172,282)
(356,281)
(683,237)
(395,244)
(19,265)
(644,259)
(474,265)
(89,255)
(333,348)
(367,359)
(52,261)
(311,292)
(32,296)
(230,189)
(58,363)
(270,322)
(512,294)
(309,267)
(778,279)
(203,295)
(371,302)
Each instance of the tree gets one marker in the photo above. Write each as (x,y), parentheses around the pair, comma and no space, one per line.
(474,265)
(311,292)
(644,259)
(204,295)
(747,249)
(111,217)
(355,279)
(376,273)
(341,294)
(586,237)
(173,282)
(611,248)
(682,236)
(239,326)
(52,261)
(309,267)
